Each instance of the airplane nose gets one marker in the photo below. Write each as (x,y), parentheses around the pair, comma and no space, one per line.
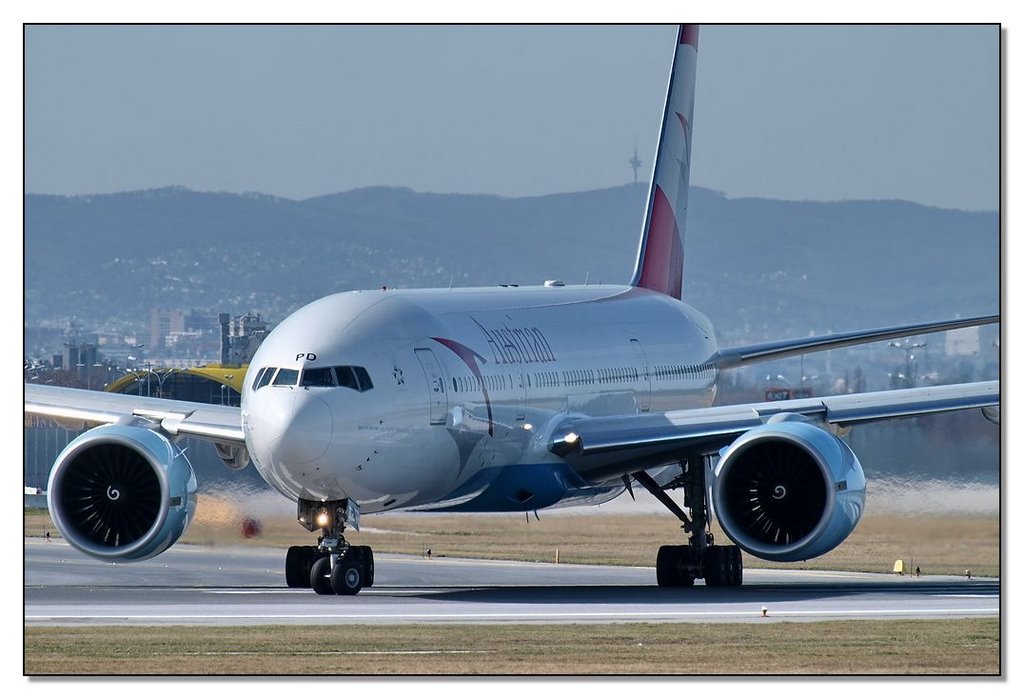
(307,431)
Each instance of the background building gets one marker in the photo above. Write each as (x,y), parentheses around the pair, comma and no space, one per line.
(241,336)
(163,322)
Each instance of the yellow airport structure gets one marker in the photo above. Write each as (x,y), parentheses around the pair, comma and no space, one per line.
(206,384)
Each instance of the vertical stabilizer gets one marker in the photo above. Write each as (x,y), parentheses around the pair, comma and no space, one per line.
(659,264)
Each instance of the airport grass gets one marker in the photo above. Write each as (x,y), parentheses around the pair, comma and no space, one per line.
(938,544)
(917,647)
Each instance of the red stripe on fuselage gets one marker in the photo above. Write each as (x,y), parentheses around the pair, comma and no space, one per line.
(470,357)
(663,254)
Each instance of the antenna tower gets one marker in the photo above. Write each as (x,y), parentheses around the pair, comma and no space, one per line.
(635,162)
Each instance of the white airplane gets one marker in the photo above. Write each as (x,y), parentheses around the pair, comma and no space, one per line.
(501,400)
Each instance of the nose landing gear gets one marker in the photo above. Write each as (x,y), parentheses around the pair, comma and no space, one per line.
(333,567)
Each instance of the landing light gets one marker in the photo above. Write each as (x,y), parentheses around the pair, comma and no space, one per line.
(527,426)
(565,444)
(323,519)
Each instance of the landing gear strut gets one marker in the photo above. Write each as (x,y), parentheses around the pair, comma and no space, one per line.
(333,566)
(679,566)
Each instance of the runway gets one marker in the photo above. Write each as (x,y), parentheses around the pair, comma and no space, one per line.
(245,586)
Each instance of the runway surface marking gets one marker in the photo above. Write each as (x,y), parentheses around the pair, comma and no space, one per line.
(519,615)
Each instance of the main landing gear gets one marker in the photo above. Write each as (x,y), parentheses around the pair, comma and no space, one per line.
(333,566)
(679,566)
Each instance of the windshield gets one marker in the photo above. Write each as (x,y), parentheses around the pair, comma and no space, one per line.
(286,377)
(323,376)
(354,377)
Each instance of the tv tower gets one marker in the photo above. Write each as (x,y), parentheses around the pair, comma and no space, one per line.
(635,162)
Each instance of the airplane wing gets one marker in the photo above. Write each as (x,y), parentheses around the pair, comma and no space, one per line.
(218,423)
(766,351)
(600,448)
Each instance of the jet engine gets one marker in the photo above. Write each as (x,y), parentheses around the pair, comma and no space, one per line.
(788,490)
(121,492)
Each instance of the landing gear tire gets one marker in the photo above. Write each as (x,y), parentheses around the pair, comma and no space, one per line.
(366,553)
(333,566)
(673,567)
(349,574)
(719,566)
(736,566)
(723,566)
(298,565)
(293,565)
(320,577)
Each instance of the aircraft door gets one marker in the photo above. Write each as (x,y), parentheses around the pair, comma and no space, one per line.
(437,393)
(644,387)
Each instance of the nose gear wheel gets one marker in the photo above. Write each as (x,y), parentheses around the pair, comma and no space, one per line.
(333,567)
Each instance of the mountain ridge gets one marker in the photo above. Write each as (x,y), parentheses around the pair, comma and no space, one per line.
(756,266)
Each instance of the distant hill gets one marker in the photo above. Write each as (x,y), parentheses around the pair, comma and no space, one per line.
(759,268)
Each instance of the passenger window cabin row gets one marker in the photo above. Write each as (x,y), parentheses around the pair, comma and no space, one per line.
(582,377)
(678,371)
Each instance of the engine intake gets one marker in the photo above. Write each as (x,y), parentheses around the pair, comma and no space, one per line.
(121,492)
(788,490)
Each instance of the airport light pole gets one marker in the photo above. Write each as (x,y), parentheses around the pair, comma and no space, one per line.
(225,390)
(908,347)
(121,372)
(150,373)
(804,378)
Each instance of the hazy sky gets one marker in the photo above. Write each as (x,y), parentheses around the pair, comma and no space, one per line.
(807,112)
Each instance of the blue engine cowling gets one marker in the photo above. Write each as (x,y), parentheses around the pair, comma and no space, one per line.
(121,492)
(788,490)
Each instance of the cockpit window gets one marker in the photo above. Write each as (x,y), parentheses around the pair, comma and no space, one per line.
(259,375)
(364,379)
(347,377)
(354,377)
(320,376)
(265,376)
(286,377)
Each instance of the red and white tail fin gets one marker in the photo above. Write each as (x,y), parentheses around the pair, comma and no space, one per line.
(659,264)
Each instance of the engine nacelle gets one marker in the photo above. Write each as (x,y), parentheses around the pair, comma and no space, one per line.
(121,492)
(788,490)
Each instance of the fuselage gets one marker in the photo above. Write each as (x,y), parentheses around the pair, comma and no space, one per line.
(444,399)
